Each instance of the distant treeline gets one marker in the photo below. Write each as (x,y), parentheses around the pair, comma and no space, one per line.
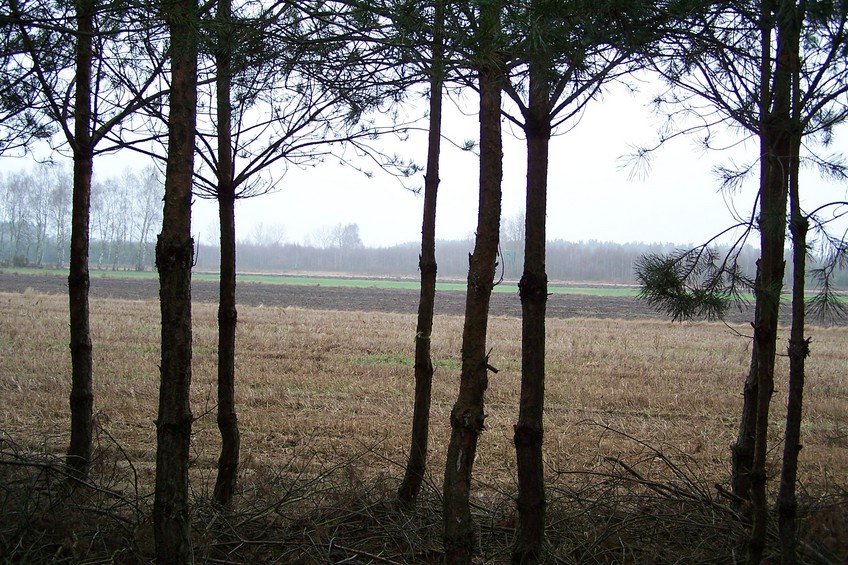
(126,215)
(35,218)
(585,261)
(590,261)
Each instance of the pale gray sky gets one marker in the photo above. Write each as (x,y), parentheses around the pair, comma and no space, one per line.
(590,196)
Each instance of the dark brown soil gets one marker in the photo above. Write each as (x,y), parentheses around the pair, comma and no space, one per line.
(347,298)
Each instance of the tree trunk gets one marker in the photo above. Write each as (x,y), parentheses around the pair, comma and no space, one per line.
(799,349)
(417,463)
(82,395)
(799,346)
(775,127)
(742,455)
(228,460)
(533,289)
(174,253)
(467,415)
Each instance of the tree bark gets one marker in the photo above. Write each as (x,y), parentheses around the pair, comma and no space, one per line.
(467,415)
(417,463)
(742,454)
(799,345)
(533,290)
(775,130)
(799,349)
(174,254)
(228,460)
(82,395)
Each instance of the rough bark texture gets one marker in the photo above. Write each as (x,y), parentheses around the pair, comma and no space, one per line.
(174,253)
(82,395)
(228,460)
(467,415)
(417,463)
(774,176)
(533,290)
(742,452)
(799,345)
(799,349)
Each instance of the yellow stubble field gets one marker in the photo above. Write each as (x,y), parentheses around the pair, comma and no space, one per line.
(318,389)
(340,381)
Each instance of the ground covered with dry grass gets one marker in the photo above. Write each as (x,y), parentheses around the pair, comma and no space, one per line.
(640,416)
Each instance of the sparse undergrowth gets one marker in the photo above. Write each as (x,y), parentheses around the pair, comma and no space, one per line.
(655,508)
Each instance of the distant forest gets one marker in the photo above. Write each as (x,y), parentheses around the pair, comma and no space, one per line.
(590,261)
(585,261)
(132,249)
(126,215)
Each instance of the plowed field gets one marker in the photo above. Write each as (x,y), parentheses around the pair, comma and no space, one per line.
(329,297)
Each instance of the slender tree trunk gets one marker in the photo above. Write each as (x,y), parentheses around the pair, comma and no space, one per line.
(799,349)
(533,289)
(174,253)
(228,460)
(82,395)
(467,415)
(417,463)
(742,455)
(799,346)
(774,175)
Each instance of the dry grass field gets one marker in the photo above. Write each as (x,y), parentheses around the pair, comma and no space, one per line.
(640,416)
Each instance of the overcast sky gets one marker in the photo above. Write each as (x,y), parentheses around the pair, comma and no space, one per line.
(590,197)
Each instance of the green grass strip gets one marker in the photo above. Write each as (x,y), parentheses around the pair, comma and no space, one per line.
(398,360)
(399,284)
